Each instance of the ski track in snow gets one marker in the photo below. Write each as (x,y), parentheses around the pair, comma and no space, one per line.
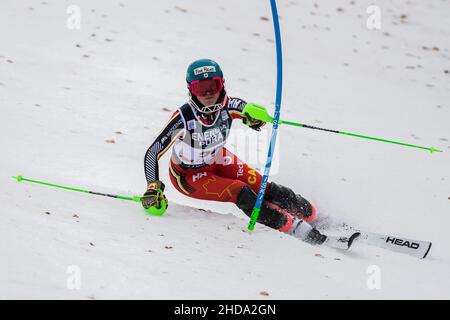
(80,107)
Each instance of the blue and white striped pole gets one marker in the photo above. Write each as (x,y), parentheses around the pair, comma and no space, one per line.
(262,189)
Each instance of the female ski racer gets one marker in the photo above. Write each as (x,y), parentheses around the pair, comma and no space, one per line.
(202,168)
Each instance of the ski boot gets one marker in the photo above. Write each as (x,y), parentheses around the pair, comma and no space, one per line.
(304,231)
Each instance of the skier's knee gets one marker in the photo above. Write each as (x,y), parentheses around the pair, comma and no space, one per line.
(246,199)
(287,199)
(270,215)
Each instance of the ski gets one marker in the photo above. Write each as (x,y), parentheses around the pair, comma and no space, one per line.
(416,248)
(341,242)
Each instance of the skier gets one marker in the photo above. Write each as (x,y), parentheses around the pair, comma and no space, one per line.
(202,168)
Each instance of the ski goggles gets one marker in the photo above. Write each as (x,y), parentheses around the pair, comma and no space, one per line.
(206,87)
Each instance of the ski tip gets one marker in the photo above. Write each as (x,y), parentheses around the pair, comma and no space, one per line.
(426,253)
(352,238)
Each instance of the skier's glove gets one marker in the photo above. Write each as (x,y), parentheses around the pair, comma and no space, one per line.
(255,124)
(154,201)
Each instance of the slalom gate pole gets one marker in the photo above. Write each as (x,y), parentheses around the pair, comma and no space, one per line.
(262,188)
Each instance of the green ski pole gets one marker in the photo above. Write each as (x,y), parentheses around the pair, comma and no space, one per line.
(259,112)
(20,179)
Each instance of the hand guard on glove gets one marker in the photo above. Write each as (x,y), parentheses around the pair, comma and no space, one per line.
(255,124)
(154,201)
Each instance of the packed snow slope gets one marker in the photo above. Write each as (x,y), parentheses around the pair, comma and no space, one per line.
(80,107)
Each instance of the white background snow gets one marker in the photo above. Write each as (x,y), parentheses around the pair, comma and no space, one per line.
(66,94)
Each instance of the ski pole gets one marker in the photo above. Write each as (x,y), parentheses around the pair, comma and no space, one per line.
(259,112)
(20,179)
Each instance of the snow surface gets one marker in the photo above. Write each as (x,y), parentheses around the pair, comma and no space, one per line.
(64,93)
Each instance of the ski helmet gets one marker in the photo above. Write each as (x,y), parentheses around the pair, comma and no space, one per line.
(205,77)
